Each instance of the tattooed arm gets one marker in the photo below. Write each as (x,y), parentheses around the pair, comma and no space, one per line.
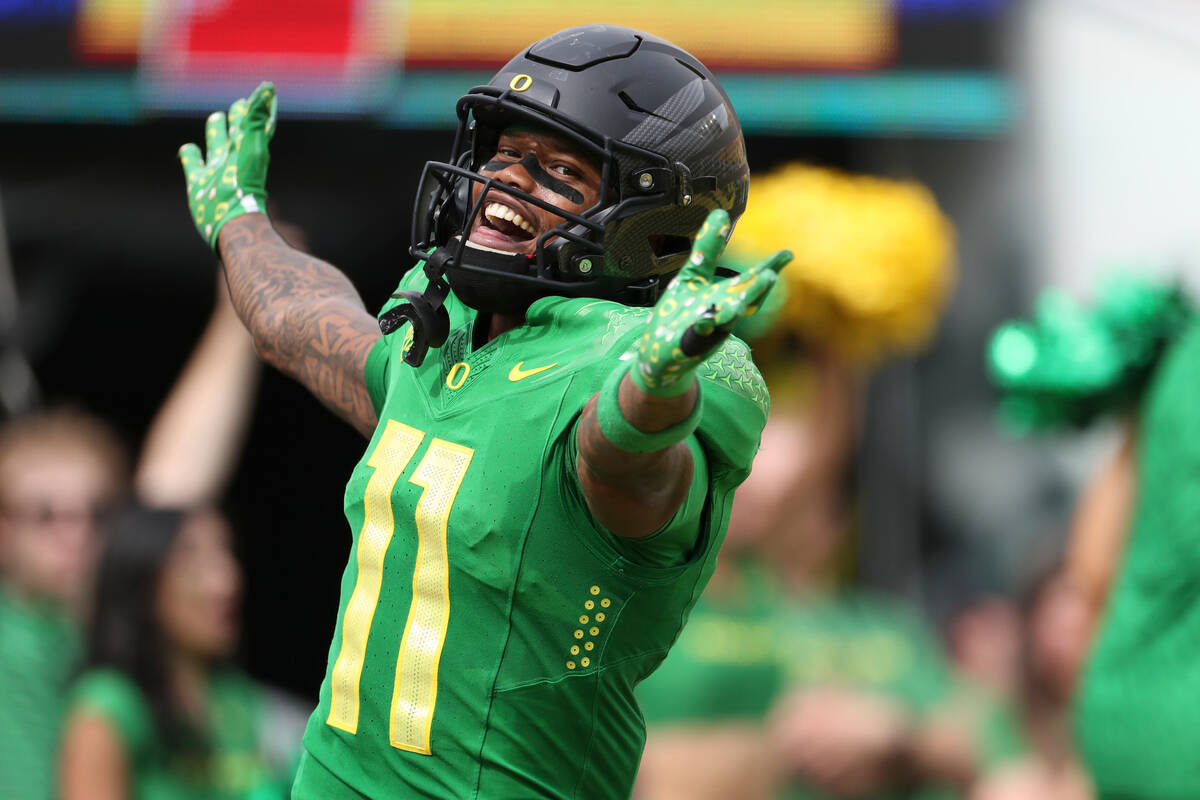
(306,317)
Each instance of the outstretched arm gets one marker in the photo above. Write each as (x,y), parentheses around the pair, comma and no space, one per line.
(634,464)
(305,316)
(635,494)
(196,435)
(1101,523)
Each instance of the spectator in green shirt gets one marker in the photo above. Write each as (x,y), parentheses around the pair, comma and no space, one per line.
(59,470)
(158,713)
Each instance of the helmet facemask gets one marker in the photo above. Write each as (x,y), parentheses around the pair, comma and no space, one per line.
(579,257)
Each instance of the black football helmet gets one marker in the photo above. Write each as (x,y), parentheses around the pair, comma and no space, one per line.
(669,147)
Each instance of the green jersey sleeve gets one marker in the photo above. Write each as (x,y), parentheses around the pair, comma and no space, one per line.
(378,363)
(1135,706)
(735,410)
(113,696)
(379,360)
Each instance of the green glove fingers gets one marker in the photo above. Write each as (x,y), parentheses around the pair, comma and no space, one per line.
(237,113)
(776,262)
(262,108)
(710,241)
(192,160)
(255,130)
(753,286)
(232,180)
(697,312)
(216,136)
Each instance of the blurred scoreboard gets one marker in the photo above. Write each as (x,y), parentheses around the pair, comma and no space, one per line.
(393,59)
(772,34)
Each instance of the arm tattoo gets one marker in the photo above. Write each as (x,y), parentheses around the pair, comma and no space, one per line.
(305,315)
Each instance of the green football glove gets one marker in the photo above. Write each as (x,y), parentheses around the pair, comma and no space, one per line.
(698,311)
(233,181)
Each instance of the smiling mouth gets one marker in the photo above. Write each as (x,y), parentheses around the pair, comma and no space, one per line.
(500,226)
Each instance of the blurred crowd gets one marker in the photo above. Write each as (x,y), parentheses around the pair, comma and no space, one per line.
(793,680)
(119,601)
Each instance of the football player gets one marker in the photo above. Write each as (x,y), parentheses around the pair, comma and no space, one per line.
(556,416)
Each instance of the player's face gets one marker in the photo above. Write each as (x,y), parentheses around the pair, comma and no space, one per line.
(51,499)
(547,168)
(199,591)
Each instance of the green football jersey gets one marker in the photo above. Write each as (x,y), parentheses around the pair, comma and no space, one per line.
(491,633)
(1137,721)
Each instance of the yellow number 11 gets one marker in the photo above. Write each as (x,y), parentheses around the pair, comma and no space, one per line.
(414,692)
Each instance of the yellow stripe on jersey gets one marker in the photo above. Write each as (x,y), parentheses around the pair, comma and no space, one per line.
(440,473)
(396,448)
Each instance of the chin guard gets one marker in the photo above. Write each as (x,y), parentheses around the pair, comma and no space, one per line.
(425,310)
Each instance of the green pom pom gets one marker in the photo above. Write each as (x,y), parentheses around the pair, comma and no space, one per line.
(1072,365)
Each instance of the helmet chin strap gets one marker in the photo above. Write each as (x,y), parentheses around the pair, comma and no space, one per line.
(426,310)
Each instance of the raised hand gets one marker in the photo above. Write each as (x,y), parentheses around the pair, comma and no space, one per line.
(233,180)
(698,311)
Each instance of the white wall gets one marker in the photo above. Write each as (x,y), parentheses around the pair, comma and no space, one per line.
(1112,137)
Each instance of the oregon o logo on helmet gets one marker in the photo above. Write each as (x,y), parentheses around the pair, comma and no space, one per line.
(520,83)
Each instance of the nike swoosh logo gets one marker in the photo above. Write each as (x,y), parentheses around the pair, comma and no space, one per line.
(517,374)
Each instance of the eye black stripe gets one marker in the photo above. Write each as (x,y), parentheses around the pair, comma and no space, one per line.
(539,175)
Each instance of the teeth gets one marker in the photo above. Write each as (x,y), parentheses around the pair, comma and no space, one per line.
(499,211)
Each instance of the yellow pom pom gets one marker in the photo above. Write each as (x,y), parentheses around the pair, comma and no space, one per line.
(873,257)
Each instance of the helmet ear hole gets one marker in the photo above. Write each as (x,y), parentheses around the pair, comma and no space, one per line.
(666,246)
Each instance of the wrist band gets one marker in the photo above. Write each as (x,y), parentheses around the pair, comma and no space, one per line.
(245,204)
(621,431)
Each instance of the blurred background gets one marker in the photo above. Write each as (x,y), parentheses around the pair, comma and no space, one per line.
(1057,136)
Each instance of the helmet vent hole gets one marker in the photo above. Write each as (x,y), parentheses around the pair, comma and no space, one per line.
(632,105)
(693,68)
